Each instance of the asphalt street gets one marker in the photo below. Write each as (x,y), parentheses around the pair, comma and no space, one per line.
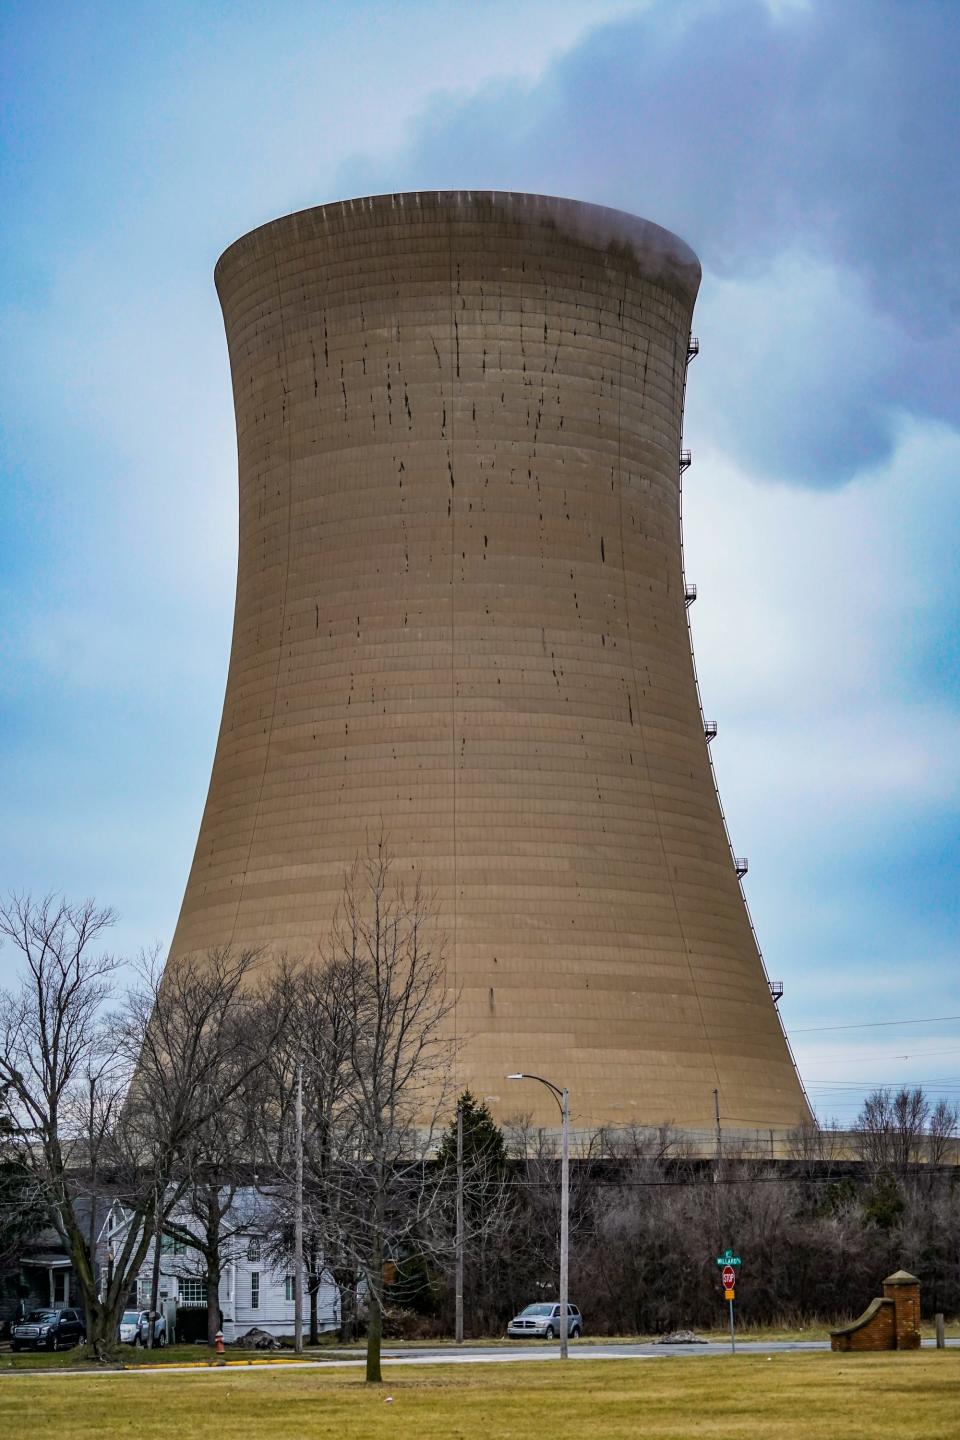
(589,1351)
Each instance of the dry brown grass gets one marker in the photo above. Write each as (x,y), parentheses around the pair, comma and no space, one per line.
(815,1396)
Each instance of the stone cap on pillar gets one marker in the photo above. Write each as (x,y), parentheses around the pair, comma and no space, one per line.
(901,1277)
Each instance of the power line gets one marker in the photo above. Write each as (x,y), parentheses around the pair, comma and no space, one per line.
(873,1024)
(836,1055)
(951,1081)
(835,1087)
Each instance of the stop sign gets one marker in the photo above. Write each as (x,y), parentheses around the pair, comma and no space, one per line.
(729,1277)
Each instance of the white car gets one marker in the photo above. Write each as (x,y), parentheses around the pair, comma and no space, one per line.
(134,1328)
(542,1322)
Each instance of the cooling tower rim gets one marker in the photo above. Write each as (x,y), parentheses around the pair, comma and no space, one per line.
(656,252)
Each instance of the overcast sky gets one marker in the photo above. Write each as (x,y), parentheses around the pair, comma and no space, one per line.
(809,154)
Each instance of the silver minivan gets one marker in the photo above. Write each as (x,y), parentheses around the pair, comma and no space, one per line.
(134,1328)
(542,1322)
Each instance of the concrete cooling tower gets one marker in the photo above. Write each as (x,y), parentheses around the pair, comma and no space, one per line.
(461,619)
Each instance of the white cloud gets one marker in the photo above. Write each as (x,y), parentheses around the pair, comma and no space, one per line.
(807,364)
(815,604)
(818,628)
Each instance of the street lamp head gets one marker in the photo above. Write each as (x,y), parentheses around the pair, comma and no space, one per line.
(517,1077)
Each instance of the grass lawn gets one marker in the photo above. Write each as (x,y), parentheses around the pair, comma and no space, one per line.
(807,1396)
(131,1355)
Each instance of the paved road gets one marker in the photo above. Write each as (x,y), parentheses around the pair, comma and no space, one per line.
(485,1355)
(591,1351)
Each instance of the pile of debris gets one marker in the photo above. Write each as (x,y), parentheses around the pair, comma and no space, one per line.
(257,1339)
(679,1337)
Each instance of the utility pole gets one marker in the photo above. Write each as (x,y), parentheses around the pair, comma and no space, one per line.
(716,1110)
(459,1279)
(155,1278)
(564,1224)
(298,1221)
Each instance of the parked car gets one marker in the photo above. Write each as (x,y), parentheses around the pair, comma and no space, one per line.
(542,1322)
(48,1330)
(134,1328)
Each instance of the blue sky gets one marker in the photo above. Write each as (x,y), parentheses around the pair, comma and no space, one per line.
(808,153)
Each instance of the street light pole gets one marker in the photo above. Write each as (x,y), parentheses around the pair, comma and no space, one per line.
(459,1279)
(298,1221)
(564,1223)
(562,1097)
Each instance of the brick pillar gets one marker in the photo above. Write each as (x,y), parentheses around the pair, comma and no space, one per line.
(904,1290)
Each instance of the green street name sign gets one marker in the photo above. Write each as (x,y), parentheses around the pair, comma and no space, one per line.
(728,1258)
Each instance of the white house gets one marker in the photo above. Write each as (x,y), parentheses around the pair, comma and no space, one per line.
(253,1291)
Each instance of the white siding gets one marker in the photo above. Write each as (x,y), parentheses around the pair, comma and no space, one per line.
(275,1313)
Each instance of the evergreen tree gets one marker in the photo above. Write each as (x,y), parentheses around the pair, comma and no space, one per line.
(488,1206)
(484,1148)
(884,1203)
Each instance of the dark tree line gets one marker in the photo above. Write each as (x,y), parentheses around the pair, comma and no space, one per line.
(817,1232)
(173,1094)
(167,1096)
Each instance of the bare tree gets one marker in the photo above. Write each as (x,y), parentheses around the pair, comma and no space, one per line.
(213,1212)
(124,1095)
(891,1127)
(812,1145)
(325,1026)
(60,1063)
(197,1033)
(911,1110)
(942,1128)
(398,1066)
(421,1205)
(312,1042)
(210,1217)
(652,1144)
(369,1034)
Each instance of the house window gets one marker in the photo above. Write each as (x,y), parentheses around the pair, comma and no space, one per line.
(254,1290)
(290,1291)
(193,1290)
(169,1246)
(253,1251)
